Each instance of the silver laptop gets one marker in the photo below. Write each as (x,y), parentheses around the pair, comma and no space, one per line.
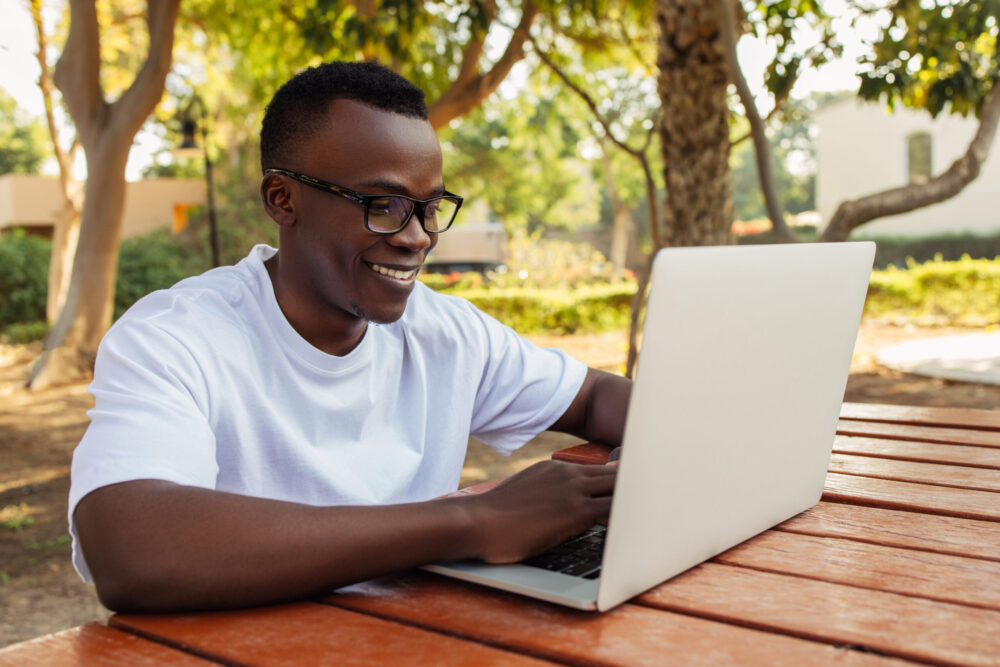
(745,356)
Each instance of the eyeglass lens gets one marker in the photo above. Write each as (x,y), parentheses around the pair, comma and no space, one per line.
(389,214)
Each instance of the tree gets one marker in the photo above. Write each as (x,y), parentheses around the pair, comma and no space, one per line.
(67,228)
(944,57)
(693,81)
(106,130)
(23,147)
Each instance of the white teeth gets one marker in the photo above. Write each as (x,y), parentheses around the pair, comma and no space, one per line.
(393,273)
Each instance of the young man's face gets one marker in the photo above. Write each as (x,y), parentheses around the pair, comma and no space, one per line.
(339,264)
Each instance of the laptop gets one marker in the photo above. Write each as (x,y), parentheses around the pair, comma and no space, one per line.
(739,384)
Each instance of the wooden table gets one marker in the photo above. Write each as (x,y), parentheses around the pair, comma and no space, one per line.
(899,562)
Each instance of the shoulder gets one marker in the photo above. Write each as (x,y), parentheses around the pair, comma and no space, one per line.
(211,306)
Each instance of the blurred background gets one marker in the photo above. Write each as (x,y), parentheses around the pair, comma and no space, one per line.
(583,135)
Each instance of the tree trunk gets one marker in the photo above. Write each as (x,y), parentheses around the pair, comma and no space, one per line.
(765,174)
(67,228)
(854,213)
(106,133)
(621,231)
(694,128)
(470,87)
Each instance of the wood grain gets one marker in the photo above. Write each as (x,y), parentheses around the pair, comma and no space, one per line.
(957,579)
(895,624)
(988,420)
(962,477)
(94,644)
(906,450)
(929,532)
(913,497)
(307,633)
(626,635)
(958,436)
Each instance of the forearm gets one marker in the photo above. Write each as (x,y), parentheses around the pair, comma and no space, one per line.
(599,410)
(159,546)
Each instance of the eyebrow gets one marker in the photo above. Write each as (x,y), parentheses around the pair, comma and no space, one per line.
(390,187)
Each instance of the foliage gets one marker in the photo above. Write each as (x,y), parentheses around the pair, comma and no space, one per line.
(24,143)
(556,311)
(23,332)
(780,22)
(935,54)
(16,517)
(947,247)
(154,261)
(519,158)
(938,293)
(24,278)
(534,261)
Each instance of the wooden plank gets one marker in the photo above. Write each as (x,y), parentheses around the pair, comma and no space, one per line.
(895,624)
(929,532)
(958,436)
(626,635)
(987,420)
(910,496)
(588,453)
(307,633)
(961,477)
(94,644)
(956,579)
(905,450)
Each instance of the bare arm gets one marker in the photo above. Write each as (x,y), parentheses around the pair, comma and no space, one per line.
(598,412)
(158,546)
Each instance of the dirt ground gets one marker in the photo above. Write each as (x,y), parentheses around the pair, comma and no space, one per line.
(40,592)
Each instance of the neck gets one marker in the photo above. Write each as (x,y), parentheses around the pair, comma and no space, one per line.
(334,332)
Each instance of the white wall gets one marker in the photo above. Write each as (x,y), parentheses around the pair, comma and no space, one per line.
(35,201)
(862,149)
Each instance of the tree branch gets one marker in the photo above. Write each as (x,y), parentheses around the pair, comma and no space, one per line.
(63,157)
(725,9)
(473,52)
(78,71)
(638,154)
(463,96)
(854,213)
(138,101)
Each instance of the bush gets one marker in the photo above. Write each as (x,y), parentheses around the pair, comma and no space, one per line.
(24,332)
(938,292)
(151,262)
(535,311)
(895,251)
(24,277)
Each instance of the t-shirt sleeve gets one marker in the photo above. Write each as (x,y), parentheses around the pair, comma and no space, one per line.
(524,388)
(149,421)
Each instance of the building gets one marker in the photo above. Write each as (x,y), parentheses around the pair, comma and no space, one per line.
(862,148)
(34,202)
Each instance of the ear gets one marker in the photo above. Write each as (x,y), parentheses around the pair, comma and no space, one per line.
(277,198)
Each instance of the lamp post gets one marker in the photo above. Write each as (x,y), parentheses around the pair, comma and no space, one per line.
(190,128)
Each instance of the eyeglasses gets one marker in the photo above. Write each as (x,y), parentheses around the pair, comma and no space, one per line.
(388,214)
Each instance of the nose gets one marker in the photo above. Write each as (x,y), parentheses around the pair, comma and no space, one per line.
(413,236)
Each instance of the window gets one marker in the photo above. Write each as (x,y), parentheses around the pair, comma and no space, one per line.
(918,157)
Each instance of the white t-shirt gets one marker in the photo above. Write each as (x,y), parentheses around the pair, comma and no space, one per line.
(207,384)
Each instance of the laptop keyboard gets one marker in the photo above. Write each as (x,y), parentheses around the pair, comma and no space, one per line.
(579,556)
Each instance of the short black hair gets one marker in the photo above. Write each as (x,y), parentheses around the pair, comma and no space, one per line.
(300,106)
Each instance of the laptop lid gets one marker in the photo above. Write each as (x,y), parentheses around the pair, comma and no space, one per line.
(744,362)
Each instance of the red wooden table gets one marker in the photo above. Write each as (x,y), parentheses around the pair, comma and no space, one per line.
(899,562)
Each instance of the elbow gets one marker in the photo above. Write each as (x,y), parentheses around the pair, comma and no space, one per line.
(135,588)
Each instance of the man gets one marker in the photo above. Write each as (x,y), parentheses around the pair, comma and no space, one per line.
(285,426)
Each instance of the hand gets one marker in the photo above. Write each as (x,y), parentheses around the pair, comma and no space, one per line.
(540,507)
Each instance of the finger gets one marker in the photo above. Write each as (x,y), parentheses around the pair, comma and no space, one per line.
(603,485)
(601,509)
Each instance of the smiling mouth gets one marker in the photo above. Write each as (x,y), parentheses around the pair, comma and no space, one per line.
(395,274)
